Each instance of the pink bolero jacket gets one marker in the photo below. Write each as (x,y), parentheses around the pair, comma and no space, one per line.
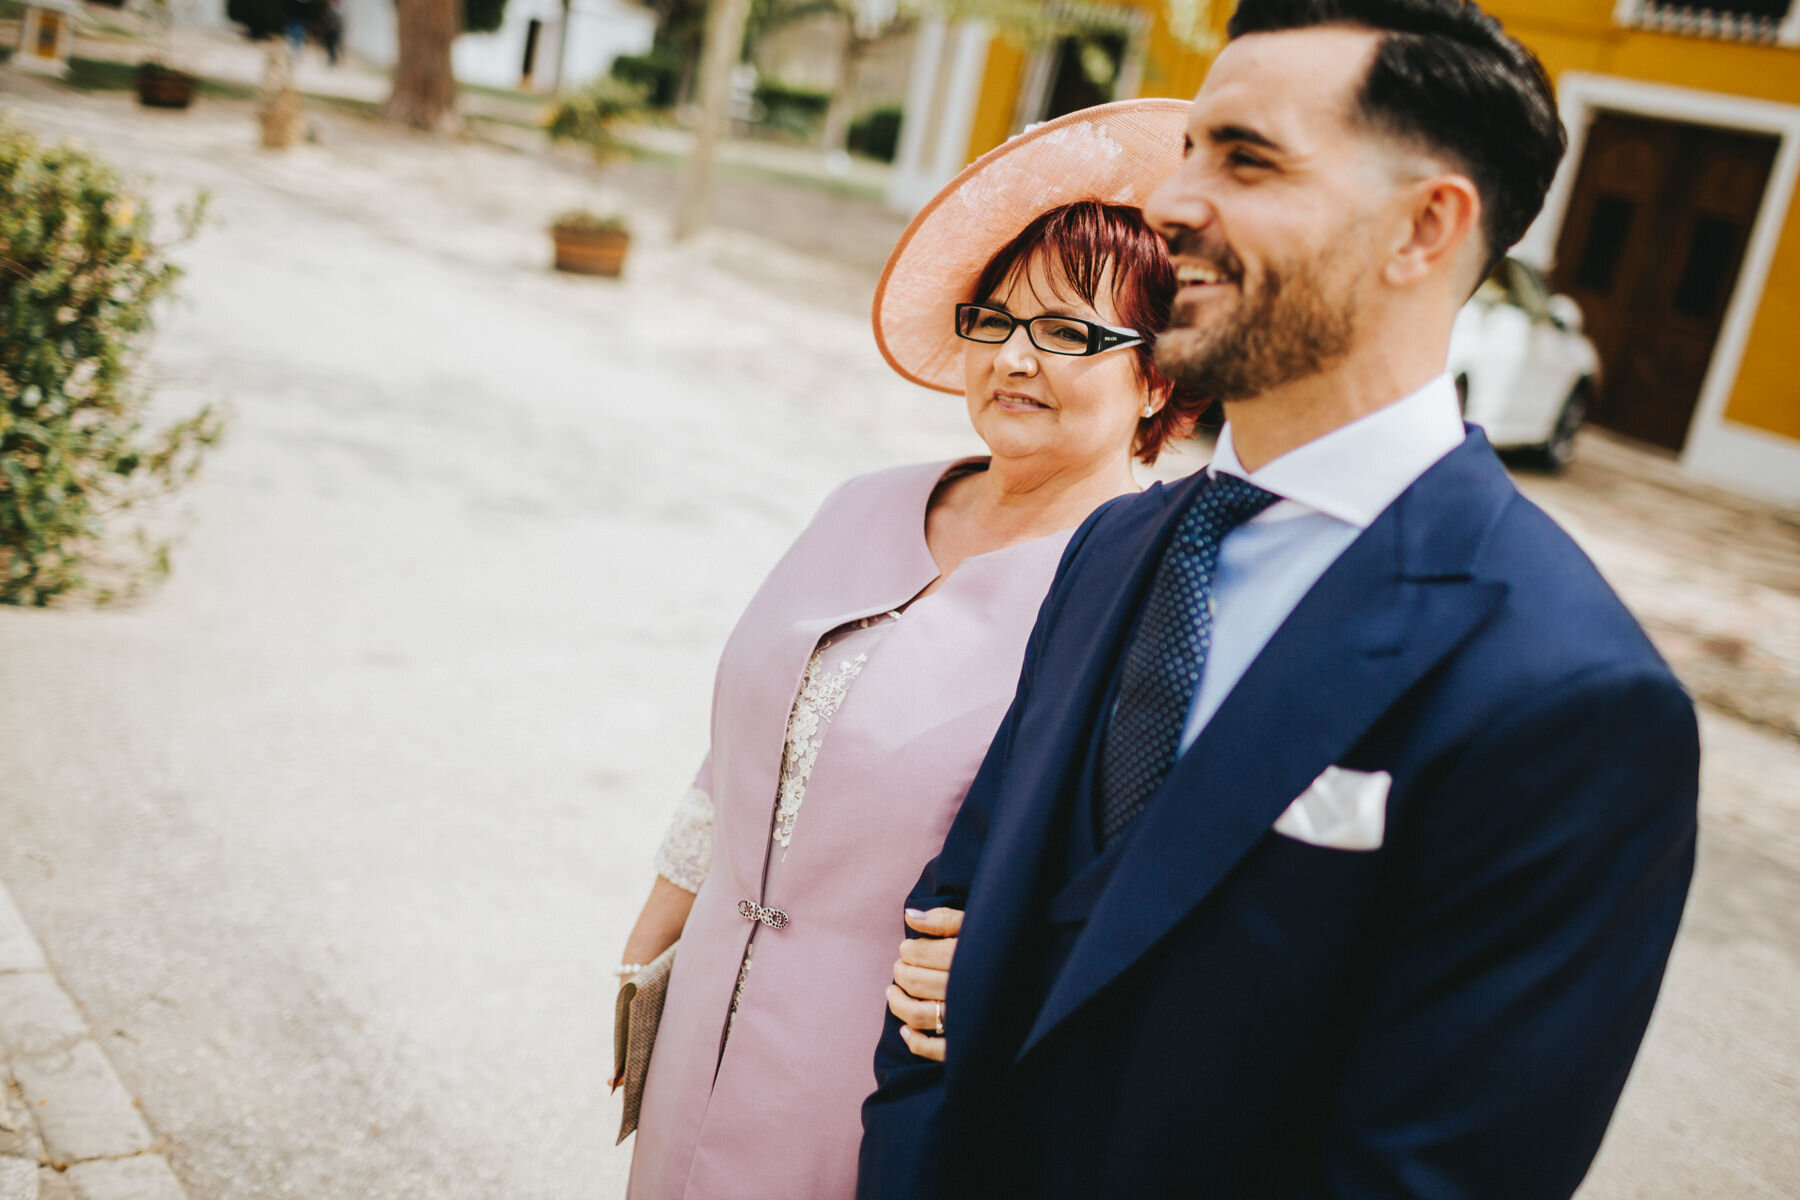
(782,1118)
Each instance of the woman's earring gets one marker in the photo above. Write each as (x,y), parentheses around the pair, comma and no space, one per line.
(1149,411)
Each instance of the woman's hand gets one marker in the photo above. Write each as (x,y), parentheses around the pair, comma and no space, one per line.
(660,923)
(664,915)
(921,979)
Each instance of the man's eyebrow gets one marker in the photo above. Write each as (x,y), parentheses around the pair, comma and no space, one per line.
(1221,134)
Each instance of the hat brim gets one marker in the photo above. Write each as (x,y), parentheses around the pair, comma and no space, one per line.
(1116,153)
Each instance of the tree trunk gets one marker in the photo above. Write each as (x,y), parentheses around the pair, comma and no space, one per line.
(562,47)
(424,82)
(724,41)
(836,134)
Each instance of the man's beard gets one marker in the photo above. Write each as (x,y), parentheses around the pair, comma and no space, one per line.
(1286,330)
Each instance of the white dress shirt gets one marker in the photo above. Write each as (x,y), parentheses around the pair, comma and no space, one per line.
(1330,489)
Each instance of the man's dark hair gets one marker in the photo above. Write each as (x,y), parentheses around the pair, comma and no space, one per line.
(1447,77)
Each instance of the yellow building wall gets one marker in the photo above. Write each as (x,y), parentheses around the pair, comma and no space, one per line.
(1767,393)
(1171,67)
(1580,35)
(1000,86)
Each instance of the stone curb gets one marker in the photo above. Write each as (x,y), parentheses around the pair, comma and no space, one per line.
(69,1130)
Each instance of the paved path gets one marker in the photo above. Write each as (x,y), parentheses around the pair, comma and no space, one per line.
(69,1130)
(332,841)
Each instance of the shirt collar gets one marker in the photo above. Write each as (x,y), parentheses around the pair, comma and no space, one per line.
(1357,470)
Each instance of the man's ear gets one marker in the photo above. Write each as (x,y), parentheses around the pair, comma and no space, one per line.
(1444,230)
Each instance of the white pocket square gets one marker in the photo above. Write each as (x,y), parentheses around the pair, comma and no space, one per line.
(1345,810)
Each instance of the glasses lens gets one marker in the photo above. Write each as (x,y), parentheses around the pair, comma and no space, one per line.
(980,324)
(1061,335)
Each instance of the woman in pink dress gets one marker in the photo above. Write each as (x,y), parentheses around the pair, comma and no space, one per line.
(858,693)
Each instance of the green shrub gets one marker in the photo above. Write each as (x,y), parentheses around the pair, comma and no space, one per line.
(794,110)
(104,75)
(876,133)
(79,275)
(591,114)
(260,18)
(657,74)
(586,220)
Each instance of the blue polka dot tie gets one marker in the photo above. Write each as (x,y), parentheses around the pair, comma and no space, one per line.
(1168,652)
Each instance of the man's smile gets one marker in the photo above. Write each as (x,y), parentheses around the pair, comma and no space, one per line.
(1191,273)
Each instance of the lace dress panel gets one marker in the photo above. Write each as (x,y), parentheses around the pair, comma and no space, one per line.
(822,693)
(685,854)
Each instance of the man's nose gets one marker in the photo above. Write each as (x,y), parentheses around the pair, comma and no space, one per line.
(1179,202)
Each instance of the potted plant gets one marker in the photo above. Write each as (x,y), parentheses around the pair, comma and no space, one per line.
(161,84)
(590,241)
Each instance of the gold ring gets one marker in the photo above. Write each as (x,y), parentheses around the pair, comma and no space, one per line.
(940,1017)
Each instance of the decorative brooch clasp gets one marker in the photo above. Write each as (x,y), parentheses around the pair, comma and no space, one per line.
(774,918)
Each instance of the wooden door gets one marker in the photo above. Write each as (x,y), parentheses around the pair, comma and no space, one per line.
(1650,247)
(1085,71)
(533,29)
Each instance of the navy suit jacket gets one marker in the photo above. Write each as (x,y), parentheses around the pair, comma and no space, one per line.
(1238,1014)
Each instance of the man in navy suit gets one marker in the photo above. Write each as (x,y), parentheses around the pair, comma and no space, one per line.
(1336,839)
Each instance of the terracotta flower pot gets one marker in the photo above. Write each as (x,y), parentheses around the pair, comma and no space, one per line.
(590,251)
(161,87)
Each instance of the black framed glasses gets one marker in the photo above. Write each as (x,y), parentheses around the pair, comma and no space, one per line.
(1051,334)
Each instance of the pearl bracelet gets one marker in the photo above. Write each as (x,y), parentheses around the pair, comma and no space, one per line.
(627,970)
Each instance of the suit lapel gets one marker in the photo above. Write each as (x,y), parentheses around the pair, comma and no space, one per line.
(1394,604)
(1096,618)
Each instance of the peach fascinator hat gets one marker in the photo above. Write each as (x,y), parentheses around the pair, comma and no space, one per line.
(1116,153)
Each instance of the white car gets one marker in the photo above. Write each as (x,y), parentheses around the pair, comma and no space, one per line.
(1525,372)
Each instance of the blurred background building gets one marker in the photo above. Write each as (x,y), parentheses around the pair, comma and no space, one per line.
(1672,223)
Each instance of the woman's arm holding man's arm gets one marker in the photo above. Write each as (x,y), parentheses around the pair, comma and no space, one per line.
(922,972)
(903,1134)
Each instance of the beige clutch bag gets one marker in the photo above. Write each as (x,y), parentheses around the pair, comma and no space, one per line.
(635,1019)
